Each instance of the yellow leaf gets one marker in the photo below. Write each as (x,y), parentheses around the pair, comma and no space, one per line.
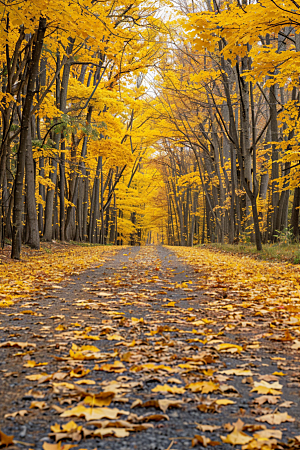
(37,377)
(79,373)
(93,413)
(224,401)
(117,366)
(94,401)
(34,364)
(231,348)
(114,337)
(263,387)
(170,389)
(205,387)
(236,438)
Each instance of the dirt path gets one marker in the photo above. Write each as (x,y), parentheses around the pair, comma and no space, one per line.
(156,366)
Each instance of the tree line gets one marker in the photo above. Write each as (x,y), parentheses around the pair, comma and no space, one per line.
(124,125)
(228,110)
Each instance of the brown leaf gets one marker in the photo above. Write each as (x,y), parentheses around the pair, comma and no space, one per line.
(16,344)
(209,428)
(21,413)
(5,439)
(276,418)
(203,440)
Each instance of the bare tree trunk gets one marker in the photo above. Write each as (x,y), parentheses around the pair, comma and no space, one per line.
(26,116)
(33,239)
(295,213)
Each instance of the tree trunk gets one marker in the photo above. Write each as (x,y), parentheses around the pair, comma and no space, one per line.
(25,121)
(33,239)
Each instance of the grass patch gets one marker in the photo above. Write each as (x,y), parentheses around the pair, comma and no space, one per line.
(289,253)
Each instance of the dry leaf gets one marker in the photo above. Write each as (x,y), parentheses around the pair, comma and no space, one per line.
(170,389)
(204,441)
(209,428)
(93,413)
(276,418)
(5,439)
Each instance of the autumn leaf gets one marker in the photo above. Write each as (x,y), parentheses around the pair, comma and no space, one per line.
(93,413)
(266,399)
(224,401)
(114,337)
(5,439)
(268,434)
(79,372)
(21,413)
(58,446)
(203,386)
(263,387)
(117,366)
(276,418)
(237,438)
(203,441)
(230,348)
(39,405)
(170,389)
(95,400)
(209,428)
(17,344)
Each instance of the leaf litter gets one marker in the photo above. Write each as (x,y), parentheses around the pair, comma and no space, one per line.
(144,378)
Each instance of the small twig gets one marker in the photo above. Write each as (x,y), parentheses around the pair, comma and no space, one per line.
(170,446)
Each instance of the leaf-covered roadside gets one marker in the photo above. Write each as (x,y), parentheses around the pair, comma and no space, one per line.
(145,352)
(39,271)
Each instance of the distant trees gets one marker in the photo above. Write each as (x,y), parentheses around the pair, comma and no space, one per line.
(227,106)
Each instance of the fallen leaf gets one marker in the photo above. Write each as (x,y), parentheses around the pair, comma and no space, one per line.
(267,434)
(93,413)
(224,401)
(39,405)
(17,344)
(205,387)
(209,428)
(237,438)
(5,439)
(170,389)
(21,413)
(231,348)
(272,399)
(204,441)
(117,366)
(262,387)
(276,418)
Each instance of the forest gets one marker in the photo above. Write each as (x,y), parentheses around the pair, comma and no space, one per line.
(129,122)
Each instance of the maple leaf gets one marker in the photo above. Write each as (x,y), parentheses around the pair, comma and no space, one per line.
(237,438)
(170,389)
(204,441)
(231,348)
(204,428)
(224,401)
(203,386)
(17,344)
(267,434)
(276,418)
(262,387)
(93,413)
(117,366)
(5,439)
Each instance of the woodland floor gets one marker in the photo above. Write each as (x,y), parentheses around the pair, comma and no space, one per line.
(152,348)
